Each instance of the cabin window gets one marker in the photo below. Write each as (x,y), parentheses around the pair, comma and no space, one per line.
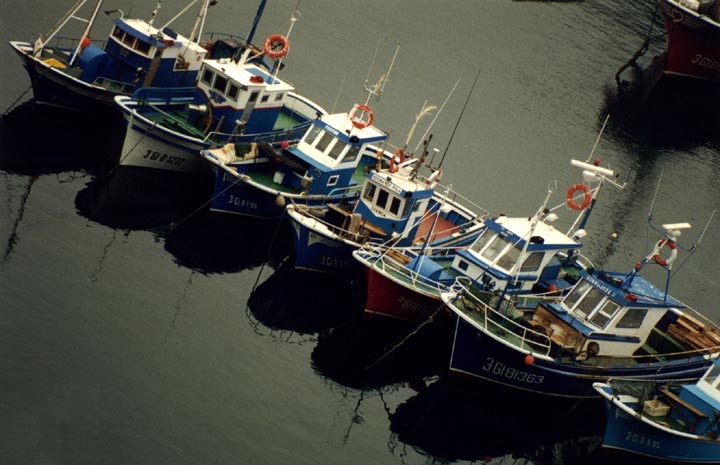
(128,40)
(532,262)
(483,240)
(576,294)
(352,154)
(633,318)
(265,98)
(279,96)
(333,180)
(233,92)
(495,247)
(712,374)
(143,47)
(407,206)
(220,83)
(604,314)
(382,198)
(509,258)
(312,135)
(591,300)
(395,205)
(254,96)
(207,76)
(463,265)
(369,192)
(324,141)
(337,149)
(117,33)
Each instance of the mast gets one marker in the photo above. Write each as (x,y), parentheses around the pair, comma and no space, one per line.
(86,33)
(256,21)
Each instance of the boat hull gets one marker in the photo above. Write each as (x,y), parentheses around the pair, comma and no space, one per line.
(237,196)
(627,433)
(693,42)
(52,86)
(320,252)
(481,355)
(153,146)
(390,299)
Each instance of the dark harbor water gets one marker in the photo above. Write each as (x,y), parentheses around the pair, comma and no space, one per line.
(138,329)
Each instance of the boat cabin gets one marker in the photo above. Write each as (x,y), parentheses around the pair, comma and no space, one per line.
(242,97)
(510,253)
(394,202)
(604,314)
(699,403)
(141,55)
(326,157)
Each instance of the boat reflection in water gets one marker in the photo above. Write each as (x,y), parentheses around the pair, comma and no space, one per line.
(130,198)
(497,426)
(211,243)
(303,302)
(38,140)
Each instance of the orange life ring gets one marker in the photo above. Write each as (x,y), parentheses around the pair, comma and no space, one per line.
(570,196)
(357,121)
(656,252)
(400,155)
(274,42)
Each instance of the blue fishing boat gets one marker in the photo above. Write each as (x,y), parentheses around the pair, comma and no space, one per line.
(398,206)
(672,422)
(609,325)
(522,255)
(236,101)
(327,165)
(85,74)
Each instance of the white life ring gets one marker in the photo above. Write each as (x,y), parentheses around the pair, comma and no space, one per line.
(656,252)
(434,178)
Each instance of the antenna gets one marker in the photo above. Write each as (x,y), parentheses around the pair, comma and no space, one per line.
(437,114)
(378,88)
(457,123)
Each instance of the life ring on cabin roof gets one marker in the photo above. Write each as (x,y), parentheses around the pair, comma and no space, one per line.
(656,252)
(400,155)
(570,196)
(356,116)
(276,46)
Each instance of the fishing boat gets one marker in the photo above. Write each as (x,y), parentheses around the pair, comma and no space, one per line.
(328,165)
(236,101)
(84,74)
(521,255)
(672,422)
(398,206)
(609,325)
(692,28)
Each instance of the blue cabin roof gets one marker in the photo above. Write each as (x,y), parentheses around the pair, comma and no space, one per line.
(614,285)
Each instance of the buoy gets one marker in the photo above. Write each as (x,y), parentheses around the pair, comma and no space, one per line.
(284,144)
(552,288)
(529,359)
(280,201)
(85,42)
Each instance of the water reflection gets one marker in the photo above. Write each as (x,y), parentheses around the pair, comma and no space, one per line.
(657,109)
(211,243)
(304,302)
(39,140)
(450,421)
(142,199)
(368,354)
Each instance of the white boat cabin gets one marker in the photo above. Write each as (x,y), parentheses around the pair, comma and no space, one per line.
(606,315)
(511,253)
